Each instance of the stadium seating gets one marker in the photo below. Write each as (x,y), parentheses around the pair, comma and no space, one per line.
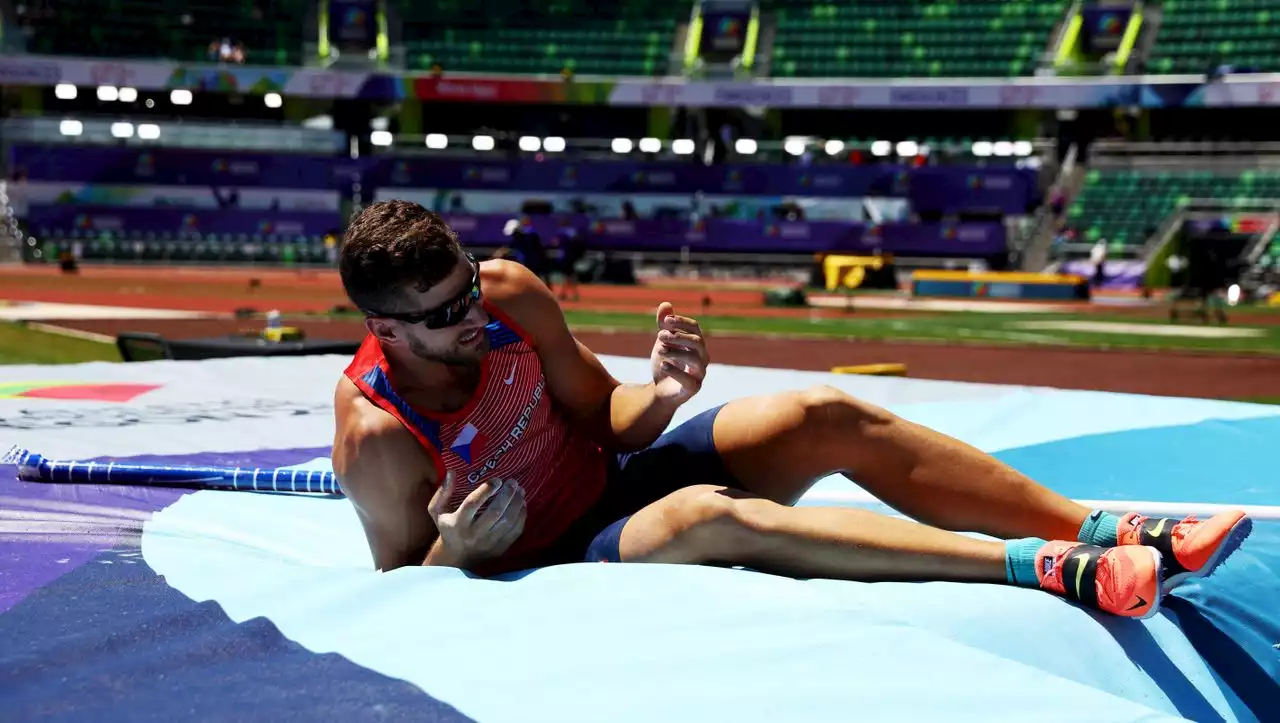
(1196,35)
(524,36)
(911,38)
(157,28)
(1123,205)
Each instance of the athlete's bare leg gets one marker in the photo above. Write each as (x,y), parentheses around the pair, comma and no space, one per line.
(778,445)
(704,524)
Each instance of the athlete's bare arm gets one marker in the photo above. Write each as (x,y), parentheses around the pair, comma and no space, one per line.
(387,476)
(629,416)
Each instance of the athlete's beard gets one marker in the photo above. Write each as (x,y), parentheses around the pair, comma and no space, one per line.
(454,356)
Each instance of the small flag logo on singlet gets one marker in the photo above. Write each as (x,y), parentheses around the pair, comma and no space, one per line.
(469,444)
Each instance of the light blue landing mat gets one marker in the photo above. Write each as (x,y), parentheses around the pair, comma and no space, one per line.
(139,604)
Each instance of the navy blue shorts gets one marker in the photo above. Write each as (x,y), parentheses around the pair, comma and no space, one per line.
(682,457)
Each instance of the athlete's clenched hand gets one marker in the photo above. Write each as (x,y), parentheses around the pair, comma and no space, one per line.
(471,534)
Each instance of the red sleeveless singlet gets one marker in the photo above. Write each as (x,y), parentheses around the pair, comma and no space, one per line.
(511,429)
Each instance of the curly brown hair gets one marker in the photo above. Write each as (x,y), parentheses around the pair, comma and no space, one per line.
(391,245)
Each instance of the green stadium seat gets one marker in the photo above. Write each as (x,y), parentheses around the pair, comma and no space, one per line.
(1196,35)
(523,36)
(1124,205)
(940,38)
(155,28)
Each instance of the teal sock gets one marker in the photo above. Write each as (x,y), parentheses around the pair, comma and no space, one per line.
(1100,528)
(1020,561)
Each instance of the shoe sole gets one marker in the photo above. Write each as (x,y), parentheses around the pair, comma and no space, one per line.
(1234,538)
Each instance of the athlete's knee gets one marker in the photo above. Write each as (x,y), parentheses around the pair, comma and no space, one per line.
(720,525)
(824,407)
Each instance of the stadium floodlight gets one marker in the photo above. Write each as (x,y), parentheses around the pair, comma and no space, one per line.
(622,145)
(273,100)
(180,96)
(1022,148)
(71,127)
(1002,148)
(148,131)
(746,146)
(908,149)
(553,144)
(380,138)
(650,145)
(530,144)
(122,129)
(682,146)
(437,141)
(128,95)
(881,148)
(482,143)
(65,91)
(981,148)
(108,93)
(795,146)
(833,147)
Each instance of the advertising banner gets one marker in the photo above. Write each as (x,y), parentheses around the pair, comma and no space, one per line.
(1028,92)
(92,222)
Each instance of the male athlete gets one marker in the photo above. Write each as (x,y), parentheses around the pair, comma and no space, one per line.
(474,431)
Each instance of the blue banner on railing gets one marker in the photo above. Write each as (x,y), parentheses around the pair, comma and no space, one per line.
(179,167)
(225,225)
(731,236)
(947,188)
(648,235)
(932,188)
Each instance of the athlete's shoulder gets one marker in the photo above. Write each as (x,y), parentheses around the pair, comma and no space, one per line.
(369,444)
(521,296)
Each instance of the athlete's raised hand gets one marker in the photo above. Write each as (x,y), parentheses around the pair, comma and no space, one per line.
(473,532)
(679,357)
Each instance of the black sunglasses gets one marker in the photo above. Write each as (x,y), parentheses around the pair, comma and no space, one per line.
(451,312)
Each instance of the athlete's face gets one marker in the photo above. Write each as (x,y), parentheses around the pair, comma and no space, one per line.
(445,323)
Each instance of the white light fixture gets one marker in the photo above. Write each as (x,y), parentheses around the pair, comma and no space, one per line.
(530,144)
(794,146)
(128,95)
(380,138)
(622,145)
(71,127)
(650,145)
(906,149)
(1002,148)
(553,144)
(482,143)
(746,146)
(881,148)
(682,146)
(1022,148)
(981,148)
(148,131)
(122,130)
(437,141)
(180,96)
(108,93)
(273,100)
(833,147)
(65,91)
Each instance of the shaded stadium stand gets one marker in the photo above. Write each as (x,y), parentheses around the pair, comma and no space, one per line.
(270,32)
(911,37)
(1125,205)
(1197,35)
(523,36)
